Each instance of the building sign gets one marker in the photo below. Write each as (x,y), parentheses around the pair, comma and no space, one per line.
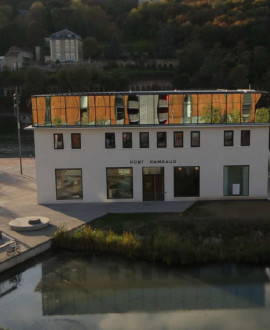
(153,161)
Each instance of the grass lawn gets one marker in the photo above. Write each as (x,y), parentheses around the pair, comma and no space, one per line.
(228,219)
(237,231)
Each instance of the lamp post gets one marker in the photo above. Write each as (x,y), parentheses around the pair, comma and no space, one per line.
(16,101)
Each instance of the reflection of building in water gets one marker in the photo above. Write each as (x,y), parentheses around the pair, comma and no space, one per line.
(83,287)
(10,285)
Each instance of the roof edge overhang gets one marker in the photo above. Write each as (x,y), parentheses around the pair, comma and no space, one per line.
(217,91)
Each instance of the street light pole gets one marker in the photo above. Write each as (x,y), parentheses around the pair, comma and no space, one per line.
(16,107)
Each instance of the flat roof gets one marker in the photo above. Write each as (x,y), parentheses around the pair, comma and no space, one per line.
(176,91)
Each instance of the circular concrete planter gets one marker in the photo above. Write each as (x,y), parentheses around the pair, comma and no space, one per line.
(29,223)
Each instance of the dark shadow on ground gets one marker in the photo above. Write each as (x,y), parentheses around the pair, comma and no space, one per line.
(8,179)
(7,213)
(89,211)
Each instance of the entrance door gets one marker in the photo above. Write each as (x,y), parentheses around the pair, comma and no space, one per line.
(153,183)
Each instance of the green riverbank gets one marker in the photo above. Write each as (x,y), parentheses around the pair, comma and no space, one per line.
(175,239)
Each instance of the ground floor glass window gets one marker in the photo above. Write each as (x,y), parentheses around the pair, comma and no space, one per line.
(186,181)
(119,183)
(68,184)
(236,180)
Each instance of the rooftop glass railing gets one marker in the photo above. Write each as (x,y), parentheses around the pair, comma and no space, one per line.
(151,108)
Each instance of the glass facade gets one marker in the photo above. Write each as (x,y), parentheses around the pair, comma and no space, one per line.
(213,107)
(186,181)
(236,180)
(119,183)
(68,184)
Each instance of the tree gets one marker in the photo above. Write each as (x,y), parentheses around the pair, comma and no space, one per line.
(37,13)
(35,34)
(239,76)
(91,48)
(114,48)
(165,48)
(35,80)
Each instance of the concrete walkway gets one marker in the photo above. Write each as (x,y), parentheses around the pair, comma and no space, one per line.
(18,199)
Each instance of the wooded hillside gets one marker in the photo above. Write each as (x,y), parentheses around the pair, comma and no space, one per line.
(219,43)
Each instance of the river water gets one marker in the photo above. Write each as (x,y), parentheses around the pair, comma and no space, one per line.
(65,291)
(9,143)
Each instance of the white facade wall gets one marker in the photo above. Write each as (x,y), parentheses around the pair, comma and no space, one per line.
(93,158)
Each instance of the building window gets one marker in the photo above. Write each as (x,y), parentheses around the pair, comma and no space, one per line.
(75,140)
(228,138)
(58,141)
(68,183)
(245,138)
(236,180)
(109,140)
(127,140)
(178,139)
(161,139)
(144,140)
(119,183)
(195,139)
(186,181)
(58,56)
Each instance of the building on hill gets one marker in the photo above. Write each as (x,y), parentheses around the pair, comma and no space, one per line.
(17,58)
(141,146)
(65,46)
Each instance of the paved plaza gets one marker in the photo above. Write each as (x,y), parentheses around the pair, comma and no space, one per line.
(18,199)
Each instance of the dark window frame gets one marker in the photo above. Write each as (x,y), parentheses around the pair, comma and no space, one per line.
(226,144)
(65,169)
(124,142)
(174,139)
(54,145)
(199,183)
(72,145)
(132,185)
(165,134)
(107,146)
(243,142)
(146,133)
(191,139)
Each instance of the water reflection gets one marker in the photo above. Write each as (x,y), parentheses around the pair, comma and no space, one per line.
(101,286)
(10,285)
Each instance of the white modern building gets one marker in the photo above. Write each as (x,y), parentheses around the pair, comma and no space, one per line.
(141,146)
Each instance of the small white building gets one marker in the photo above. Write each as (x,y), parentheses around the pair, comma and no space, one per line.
(17,58)
(141,146)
